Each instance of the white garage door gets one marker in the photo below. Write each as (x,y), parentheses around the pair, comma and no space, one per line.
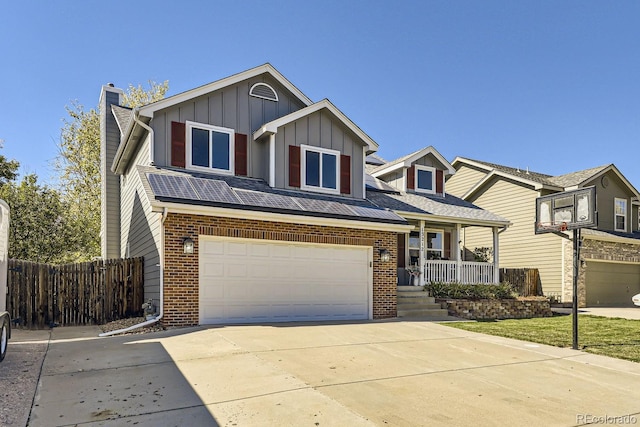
(250,281)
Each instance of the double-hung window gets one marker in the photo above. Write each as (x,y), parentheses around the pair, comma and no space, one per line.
(210,148)
(320,170)
(425,177)
(620,214)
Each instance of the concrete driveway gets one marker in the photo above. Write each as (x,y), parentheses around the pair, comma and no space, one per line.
(402,373)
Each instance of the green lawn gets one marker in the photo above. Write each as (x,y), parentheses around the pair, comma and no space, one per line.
(618,338)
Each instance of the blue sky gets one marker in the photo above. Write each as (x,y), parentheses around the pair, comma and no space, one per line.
(549,85)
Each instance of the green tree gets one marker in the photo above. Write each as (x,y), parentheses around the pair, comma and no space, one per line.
(39,229)
(78,166)
(8,168)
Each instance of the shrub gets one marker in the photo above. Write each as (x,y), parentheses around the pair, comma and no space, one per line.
(470,291)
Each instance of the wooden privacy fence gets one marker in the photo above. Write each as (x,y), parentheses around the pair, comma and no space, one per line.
(526,281)
(85,293)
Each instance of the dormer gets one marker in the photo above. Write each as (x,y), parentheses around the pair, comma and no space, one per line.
(421,172)
(316,149)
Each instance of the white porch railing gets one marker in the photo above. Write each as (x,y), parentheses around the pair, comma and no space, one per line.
(470,272)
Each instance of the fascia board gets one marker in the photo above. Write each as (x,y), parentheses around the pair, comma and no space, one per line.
(272,127)
(158,206)
(533,184)
(459,160)
(455,220)
(409,160)
(148,110)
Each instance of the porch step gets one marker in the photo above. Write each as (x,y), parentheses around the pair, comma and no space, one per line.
(414,302)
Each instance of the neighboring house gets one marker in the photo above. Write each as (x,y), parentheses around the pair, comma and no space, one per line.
(248,202)
(414,187)
(610,254)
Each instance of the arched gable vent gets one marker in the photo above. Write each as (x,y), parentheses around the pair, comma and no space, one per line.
(263,90)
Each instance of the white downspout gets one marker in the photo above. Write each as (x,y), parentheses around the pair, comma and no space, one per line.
(457,249)
(159,317)
(422,254)
(136,118)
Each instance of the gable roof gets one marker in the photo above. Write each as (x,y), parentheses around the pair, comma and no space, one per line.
(149,109)
(272,126)
(538,180)
(406,161)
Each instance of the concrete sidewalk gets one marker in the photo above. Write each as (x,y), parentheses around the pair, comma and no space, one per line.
(404,373)
(631,313)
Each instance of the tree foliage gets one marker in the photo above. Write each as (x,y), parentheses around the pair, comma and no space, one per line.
(137,96)
(39,229)
(78,166)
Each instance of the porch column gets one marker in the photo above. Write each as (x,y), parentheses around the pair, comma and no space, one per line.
(456,247)
(422,253)
(496,252)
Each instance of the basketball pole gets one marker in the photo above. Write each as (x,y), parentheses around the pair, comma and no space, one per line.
(576,266)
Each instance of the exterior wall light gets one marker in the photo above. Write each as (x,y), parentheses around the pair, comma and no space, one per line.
(187,245)
(385,255)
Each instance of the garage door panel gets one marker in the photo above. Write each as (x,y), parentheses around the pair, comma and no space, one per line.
(244,281)
(611,284)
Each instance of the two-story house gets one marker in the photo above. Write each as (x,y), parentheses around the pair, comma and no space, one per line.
(610,253)
(249,203)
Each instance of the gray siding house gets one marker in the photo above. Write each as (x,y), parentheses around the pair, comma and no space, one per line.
(251,203)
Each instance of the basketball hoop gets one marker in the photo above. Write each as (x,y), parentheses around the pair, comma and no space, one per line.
(550,227)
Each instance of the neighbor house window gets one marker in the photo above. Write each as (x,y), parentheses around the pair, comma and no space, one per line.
(320,169)
(620,213)
(210,148)
(425,179)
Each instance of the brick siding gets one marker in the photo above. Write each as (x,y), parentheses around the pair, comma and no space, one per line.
(181,270)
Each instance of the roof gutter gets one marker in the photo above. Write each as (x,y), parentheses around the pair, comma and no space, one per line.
(454,220)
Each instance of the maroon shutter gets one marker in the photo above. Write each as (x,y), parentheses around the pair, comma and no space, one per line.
(240,154)
(411,178)
(447,245)
(439,181)
(401,250)
(178,135)
(345,174)
(294,166)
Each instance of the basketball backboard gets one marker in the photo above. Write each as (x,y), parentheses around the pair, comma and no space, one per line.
(568,210)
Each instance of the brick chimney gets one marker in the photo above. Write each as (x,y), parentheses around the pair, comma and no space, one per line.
(110,182)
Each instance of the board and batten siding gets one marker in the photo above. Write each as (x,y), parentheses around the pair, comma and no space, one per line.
(231,107)
(396,179)
(320,129)
(519,247)
(464,180)
(140,227)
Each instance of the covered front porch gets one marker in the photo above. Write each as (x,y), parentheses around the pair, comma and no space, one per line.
(434,252)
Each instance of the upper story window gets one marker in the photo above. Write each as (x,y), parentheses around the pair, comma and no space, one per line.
(620,214)
(209,148)
(319,169)
(425,177)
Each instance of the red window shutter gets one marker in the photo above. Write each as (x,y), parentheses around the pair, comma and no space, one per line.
(411,178)
(401,250)
(345,174)
(439,181)
(178,137)
(294,166)
(447,245)
(240,154)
